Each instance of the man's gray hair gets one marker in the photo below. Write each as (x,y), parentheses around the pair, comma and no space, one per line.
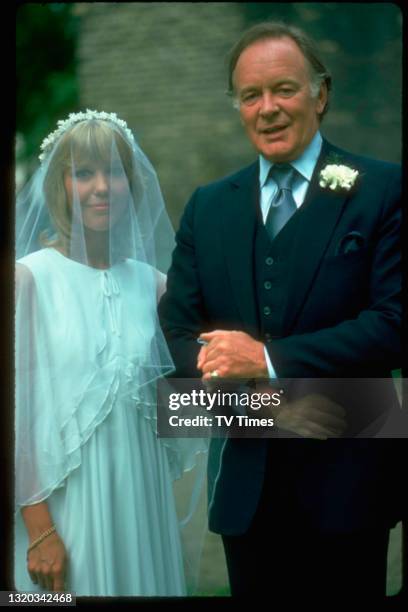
(274,30)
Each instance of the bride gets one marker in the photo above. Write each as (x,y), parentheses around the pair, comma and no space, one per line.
(95,510)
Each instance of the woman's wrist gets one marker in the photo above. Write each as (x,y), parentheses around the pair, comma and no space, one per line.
(37,520)
(41,538)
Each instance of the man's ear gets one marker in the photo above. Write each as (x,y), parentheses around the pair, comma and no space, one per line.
(242,122)
(235,106)
(322,98)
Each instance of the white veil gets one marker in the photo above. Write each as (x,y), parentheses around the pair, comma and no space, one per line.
(120,235)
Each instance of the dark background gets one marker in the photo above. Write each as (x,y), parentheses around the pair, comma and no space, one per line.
(160,66)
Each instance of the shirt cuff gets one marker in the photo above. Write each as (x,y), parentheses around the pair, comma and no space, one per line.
(271,369)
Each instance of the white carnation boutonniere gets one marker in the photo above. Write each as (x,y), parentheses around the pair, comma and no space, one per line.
(337,176)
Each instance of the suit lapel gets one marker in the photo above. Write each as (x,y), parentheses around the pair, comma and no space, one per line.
(320,213)
(238,226)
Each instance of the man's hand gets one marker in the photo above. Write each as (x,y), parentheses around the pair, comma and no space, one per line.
(232,354)
(312,416)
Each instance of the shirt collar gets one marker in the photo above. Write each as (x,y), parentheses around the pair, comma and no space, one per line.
(305,164)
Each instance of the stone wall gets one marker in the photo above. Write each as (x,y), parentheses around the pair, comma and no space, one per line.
(160,66)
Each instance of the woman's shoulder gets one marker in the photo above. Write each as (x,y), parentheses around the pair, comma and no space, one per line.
(30,266)
(140,266)
(38,268)
(35,261)
(134,266)
(146,273)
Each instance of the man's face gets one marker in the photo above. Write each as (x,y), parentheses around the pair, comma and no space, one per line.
(272,86)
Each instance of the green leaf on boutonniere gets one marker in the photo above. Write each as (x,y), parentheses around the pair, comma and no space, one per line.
(333,159)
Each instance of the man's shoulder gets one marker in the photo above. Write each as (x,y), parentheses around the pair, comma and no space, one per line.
(208,201)
(244,176)
(337,155)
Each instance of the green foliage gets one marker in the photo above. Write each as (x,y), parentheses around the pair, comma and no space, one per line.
(46,37)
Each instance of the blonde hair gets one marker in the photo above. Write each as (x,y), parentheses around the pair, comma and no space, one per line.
(90,139)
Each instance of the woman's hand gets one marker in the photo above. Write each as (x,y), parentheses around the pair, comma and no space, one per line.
(47,563)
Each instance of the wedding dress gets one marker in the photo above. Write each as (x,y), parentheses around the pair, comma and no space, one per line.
(87,427)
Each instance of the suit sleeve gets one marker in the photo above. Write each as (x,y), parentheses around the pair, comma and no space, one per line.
(181,308)
(372,340)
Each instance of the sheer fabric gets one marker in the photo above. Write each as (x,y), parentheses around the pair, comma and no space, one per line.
(89,351)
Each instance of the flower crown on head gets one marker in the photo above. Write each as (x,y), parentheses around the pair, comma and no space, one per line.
(65,124)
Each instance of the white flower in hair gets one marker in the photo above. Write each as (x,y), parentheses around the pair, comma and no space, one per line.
(65,124)
(337,176)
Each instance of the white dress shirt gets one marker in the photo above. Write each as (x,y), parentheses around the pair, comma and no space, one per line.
(305,165)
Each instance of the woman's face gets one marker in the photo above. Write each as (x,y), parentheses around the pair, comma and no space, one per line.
(101,191)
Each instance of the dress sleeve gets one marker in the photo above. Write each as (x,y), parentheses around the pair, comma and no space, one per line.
(161,280)
(54,418)
(29,423)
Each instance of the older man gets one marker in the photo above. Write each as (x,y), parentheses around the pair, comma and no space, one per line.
(290,268)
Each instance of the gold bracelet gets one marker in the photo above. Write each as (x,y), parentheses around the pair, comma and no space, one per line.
(42,537)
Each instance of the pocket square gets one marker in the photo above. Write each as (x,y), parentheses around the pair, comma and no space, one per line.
(353,241)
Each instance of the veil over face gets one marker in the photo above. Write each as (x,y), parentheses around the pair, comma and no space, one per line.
(95,190)
(93,239)
(94,203)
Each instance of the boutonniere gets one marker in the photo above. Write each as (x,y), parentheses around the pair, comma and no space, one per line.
(338,176)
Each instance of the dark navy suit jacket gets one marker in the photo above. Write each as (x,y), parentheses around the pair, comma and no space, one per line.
(342,319)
